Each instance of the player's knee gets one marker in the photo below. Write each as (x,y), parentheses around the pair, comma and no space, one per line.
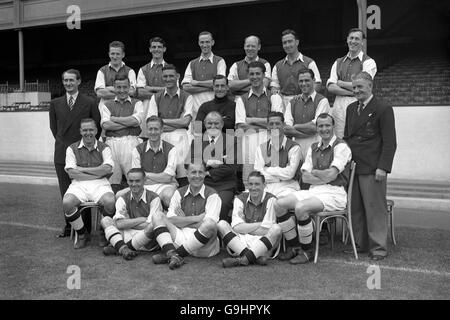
(108,201)
(223,227)
(208,227)
(280,207)
(275,231)
(166,195)
(69,204)
(301,211)
(148,230)
(106,222)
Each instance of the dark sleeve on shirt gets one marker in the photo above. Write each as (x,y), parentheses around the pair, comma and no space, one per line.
(389,140)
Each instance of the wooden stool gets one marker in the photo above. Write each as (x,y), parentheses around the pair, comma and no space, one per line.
(94,215)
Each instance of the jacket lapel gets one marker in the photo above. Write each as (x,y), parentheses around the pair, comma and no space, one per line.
(367,114)
(73,115)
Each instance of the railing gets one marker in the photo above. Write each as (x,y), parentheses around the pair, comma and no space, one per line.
(26,106)
(29,87)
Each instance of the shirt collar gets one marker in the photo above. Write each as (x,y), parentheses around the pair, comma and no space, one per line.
(250,92)
(176,93)
(143,197)
(73,95)
(152,63)
(283,144)
(202,191)
(81,144)
(262,199)
(215,138)
(299,57)
(160,148)
(312,96)
(128,99)
(359,56)
(210,58)
(121,65)
(333,139)
(366,102)
(246,59)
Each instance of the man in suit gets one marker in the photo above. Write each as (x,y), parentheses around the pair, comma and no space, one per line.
(370,133)
(217,151)
(65,114)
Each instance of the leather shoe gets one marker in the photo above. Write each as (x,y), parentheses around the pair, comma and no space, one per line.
(65,232)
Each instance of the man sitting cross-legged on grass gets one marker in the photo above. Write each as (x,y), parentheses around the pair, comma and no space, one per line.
(253,232)
(326,169)
(190,227)
(131,229)
(89,163)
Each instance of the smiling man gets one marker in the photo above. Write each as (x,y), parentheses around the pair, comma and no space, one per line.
(150,77)
(253,232)
(190,227)
(88,163)
(174,106)
(285,72)
(302,112)
(121,120)
(238,76)
(326,169)
(65,115)
(342,72)
(199,74)
(370,133)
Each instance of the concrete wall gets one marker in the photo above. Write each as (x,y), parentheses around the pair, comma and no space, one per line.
(8,99)
(423,136)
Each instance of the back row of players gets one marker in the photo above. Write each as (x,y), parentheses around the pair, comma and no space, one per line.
(264,120)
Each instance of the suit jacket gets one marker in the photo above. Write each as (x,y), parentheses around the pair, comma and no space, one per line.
(65,124)
(224,176)
(371,136)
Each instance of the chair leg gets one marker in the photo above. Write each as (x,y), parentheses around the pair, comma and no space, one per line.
(318,226)
(344,229)
(352,239)
(332,232)
(72,233)
(392,226)
(94,213)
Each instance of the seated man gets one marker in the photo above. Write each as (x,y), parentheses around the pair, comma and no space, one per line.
(158,158)
(278,159)
(131,229)
(174,106)
(253,232)
(89,164)
(218,153)
(326,169)
(190,227)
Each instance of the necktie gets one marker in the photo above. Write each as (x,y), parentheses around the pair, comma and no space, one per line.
(71,103)
(360,108)
(213,152)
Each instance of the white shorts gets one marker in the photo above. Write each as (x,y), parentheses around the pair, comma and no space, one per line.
(333,198)
(158,188)
(121,148)
(210,249)
(339,112)
(90,190)
(283,188)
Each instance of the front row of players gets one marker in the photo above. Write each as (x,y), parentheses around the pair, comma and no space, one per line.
(136,221)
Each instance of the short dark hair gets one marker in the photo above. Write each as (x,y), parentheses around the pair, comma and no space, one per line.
(356,30)
(72,71)
(136,170)
(257,174)
(205,33)
(117,44)
(121,77)
(157,39)
(87,120)
(169,66)
(154,119)
(218,77)
(257,64)
(275,114)
(307,70)
(289,31)
(325,115)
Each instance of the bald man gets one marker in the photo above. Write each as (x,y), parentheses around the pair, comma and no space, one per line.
(238,76)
